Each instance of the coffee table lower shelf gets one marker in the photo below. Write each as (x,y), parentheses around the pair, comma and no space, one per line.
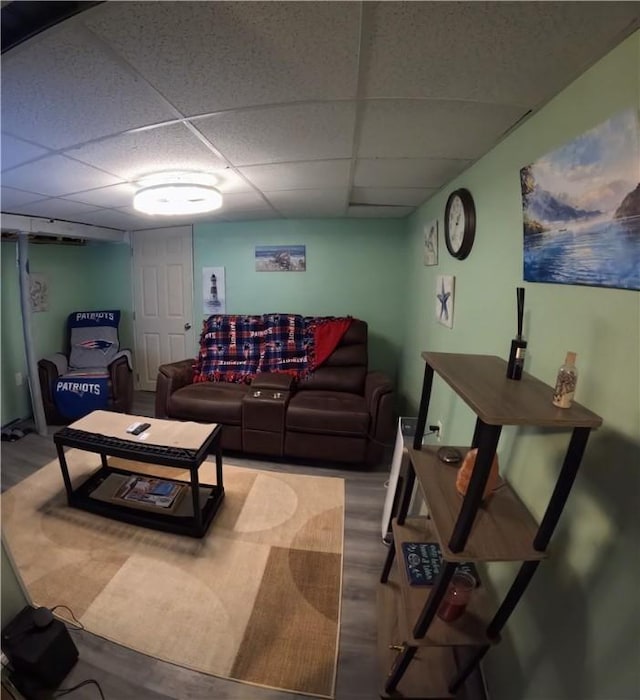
(93,495)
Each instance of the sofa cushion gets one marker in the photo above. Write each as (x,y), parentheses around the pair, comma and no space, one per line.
(348,380)
(333,412)
(211,402)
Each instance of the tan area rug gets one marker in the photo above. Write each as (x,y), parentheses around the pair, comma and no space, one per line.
(257,599)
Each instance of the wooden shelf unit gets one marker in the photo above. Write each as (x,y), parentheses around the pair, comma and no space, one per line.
(435,663)
(503,530)
(418,648)
(469,630)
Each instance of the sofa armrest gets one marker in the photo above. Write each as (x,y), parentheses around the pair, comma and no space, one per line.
(378,392)
(171,377)
(273,380)
(55,364)
(49,369)
(121,376)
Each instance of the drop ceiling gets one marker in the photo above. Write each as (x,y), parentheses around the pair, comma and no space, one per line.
(300,109)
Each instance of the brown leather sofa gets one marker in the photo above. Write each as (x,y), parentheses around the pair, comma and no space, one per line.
(341,413)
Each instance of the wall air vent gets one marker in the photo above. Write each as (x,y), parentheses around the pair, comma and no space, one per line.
(40,238)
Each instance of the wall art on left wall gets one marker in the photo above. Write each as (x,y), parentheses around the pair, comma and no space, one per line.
(39,292)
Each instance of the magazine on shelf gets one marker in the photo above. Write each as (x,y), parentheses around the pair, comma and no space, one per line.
(150,491)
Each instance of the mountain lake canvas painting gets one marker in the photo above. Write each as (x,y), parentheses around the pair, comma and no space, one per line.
(581,209)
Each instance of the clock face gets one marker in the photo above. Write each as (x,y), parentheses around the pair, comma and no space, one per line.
(456,223)
(460,223)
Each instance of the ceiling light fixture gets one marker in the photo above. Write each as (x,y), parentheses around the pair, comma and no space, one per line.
(173,194)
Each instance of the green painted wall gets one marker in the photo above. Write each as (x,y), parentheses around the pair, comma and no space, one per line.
(575,633)
(354,268)
(13,596)
(87,277)
(15,399)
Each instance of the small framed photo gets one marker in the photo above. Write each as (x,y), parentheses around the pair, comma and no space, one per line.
(445,288)
(281,258)
(213,291)
(431,242)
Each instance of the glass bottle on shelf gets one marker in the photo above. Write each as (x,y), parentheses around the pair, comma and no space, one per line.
(566,382)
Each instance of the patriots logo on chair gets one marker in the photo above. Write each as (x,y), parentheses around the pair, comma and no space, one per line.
(103,345)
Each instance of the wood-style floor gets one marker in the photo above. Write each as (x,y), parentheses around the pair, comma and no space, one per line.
(127,675)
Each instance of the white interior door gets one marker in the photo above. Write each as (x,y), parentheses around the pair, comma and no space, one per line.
(163,299)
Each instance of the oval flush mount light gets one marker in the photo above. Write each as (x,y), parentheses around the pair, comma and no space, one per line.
(172,194)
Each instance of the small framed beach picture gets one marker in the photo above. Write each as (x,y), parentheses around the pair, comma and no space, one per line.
(281,258)
(431,242)
(445,287)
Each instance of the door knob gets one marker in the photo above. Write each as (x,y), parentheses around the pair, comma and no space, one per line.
(187,326)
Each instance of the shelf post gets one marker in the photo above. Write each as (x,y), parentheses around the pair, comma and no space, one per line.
(468,668)
(488,436)
(384,577)
(400,665)
(434,600)
(407,491)
(425,398)
(476,433)
(568,473)
(518,587)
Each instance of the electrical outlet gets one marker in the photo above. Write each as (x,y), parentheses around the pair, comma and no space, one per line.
(18,378)
(440,430)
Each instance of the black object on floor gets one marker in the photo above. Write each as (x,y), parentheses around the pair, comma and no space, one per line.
(39,647)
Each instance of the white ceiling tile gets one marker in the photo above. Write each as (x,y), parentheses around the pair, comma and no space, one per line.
(508,52)
(236,53)
(374,212)
(280,134)
(157,221)
(132,155)
(432,128)
(229,181)
(406,172)
(16,151)
(309,203)
(409,196)
(67,89)
(282,79)
(115,196)
(243,201)
(262,215)
(56,209)
(113,218)
(12,198)
(56,175)
(299,176)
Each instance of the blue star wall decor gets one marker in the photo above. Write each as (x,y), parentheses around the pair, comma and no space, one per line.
(444,300)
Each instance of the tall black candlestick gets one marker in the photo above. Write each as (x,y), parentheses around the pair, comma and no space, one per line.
(518,344)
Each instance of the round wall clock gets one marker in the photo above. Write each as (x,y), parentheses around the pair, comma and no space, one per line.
(459,223)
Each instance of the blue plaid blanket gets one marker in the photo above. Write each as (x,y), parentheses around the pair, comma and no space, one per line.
(236,348)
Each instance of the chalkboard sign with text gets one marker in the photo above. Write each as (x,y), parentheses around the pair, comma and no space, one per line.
(423,561)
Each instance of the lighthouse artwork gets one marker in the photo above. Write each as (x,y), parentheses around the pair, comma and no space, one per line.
(213,300)
(213,291)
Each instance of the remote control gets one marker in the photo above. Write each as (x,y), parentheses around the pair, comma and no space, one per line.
(140,429)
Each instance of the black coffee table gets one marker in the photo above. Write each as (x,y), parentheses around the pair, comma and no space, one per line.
(169,444)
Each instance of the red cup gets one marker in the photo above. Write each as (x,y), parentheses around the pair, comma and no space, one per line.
(457,596)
